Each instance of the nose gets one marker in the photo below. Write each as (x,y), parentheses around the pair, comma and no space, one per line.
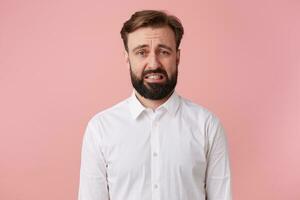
(153,61)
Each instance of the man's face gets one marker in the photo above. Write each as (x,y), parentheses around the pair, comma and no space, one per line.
(153,60)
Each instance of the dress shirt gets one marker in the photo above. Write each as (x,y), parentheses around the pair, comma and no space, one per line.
(175,152)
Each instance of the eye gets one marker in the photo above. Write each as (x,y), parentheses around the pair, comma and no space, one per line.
(164,52)
(141,52)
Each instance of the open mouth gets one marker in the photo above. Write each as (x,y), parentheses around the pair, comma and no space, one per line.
(155,77)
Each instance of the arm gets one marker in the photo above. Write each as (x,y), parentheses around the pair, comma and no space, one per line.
(218,180)
(93,182)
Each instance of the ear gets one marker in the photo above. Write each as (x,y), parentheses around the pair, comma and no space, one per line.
(126,56)
(178,56)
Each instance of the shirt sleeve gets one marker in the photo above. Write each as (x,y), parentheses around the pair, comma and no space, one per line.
(93,182)
(218,178)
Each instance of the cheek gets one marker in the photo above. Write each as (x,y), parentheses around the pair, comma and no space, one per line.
(171,67)
(137,66)
(136,69)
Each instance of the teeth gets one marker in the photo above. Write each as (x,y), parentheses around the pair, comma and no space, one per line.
(155,76)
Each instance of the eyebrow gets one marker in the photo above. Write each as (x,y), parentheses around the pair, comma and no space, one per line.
(145,45)
(140,47)
(165,47)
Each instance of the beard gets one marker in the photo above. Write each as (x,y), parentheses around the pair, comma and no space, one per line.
(154,91)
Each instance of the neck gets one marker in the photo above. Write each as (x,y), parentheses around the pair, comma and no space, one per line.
(149,103)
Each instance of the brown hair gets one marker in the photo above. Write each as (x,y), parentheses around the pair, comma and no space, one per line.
(151,18)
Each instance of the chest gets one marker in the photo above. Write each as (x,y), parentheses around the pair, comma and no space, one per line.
(167,144)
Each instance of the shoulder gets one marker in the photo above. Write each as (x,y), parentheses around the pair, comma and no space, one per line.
(118,110)
(199,115)
(105,120)
(204,119)
(196,110)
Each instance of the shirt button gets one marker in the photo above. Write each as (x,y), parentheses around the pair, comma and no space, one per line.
(155,186)
(155,154)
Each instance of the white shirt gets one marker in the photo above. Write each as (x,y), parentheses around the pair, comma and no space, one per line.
(177,152)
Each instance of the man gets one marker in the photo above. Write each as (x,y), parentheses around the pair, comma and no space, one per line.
(155,145)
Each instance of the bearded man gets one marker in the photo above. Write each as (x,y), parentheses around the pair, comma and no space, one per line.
(154,145)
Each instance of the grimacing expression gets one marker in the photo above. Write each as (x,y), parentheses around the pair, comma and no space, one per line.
(153,61)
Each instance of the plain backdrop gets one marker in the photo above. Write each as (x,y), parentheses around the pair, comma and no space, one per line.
(61,62)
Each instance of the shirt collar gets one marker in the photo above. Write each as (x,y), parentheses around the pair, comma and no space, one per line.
(136,108)
(171,105)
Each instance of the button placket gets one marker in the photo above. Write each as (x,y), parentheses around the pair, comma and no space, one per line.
(155,156)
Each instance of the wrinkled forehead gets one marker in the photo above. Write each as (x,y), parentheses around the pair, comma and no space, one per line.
(152,37)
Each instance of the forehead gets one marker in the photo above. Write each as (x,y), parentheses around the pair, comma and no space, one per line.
(152,36)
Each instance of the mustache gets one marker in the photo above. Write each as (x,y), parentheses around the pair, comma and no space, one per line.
(159,70)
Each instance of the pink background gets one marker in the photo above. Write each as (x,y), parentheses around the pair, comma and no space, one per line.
(61,62)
